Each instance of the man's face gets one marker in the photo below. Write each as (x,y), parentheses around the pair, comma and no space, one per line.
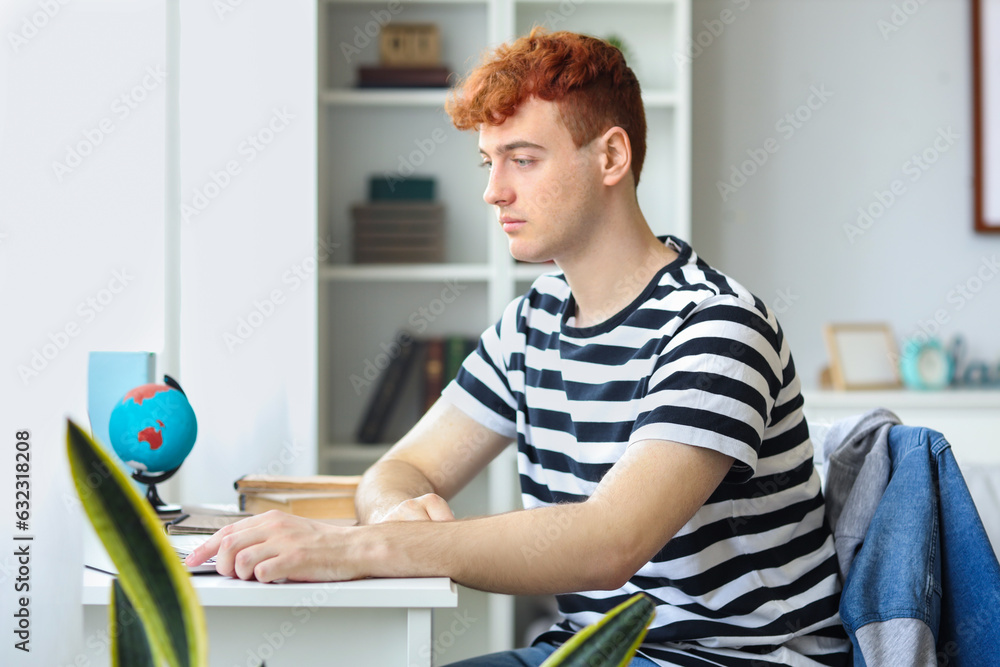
(543,187)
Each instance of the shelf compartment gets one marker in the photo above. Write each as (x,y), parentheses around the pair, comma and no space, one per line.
(353,33)
(361,342)
(417,142)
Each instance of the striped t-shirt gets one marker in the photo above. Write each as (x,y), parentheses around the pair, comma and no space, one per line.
(694,359)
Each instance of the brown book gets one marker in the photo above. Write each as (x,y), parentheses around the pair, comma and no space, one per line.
(378,76)
(304,504)
(433,371)
(287,483)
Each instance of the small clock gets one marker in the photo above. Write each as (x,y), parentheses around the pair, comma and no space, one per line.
(926,365)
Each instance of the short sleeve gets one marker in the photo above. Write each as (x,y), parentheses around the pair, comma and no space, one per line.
(482,388)
(715,382)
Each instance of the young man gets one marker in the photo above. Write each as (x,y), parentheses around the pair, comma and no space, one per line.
(655,406)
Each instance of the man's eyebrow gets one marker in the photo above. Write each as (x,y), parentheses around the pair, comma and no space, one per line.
(513,146)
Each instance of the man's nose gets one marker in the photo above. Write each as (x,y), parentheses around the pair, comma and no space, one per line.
(497,192)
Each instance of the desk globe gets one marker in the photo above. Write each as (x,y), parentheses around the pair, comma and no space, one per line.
(153,429)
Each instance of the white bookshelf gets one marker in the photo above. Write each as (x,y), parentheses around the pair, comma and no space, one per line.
(366,132)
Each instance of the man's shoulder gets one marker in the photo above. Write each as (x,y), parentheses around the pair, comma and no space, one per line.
(696,285)
(698,293)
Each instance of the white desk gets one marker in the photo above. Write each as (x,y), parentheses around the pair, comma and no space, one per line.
(385,622)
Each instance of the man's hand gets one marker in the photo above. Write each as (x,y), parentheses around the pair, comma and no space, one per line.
(429,465)
(428,507)
(276,546)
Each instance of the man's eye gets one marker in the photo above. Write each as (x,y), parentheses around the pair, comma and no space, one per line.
(522,162)
(486,165)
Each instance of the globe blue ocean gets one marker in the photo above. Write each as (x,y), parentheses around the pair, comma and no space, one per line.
(153,428)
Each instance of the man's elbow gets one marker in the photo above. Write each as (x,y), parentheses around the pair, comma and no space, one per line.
(618,564)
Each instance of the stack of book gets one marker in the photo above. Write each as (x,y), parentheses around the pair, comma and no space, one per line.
(398,232)
(313,496)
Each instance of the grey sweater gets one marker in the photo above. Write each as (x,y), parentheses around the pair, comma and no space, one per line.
(858,466)
(857,471)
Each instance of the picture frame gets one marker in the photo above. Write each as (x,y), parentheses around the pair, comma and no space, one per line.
(862,356)
(986,113)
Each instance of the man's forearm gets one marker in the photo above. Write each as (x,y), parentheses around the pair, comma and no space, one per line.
(555,549)
(385,485)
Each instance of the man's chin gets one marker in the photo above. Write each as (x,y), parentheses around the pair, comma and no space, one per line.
(530,258)
(522,253)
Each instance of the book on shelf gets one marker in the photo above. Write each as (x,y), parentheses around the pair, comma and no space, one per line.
(458,348)
(433,371)
(443,358)
(389,76)
(388,391)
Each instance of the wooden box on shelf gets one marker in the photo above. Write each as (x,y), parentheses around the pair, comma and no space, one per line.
(410,44)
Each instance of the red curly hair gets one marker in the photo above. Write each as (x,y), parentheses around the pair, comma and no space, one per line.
(587,77)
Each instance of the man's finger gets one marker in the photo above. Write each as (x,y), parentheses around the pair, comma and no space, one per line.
(206,549)
(249,559)
(210,547)
(437,509)
(234,544)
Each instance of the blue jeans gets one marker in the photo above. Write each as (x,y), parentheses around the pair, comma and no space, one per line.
(529,657)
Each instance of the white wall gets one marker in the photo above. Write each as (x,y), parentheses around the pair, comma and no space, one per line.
(248,240)
(782,233)
(84,260)
(81,266)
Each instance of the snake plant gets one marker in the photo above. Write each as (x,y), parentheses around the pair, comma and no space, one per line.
(152,579)
(610,642)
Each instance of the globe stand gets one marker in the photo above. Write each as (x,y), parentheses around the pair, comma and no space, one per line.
(151,493)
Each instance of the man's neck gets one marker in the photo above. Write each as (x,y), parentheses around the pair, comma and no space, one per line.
(614,267)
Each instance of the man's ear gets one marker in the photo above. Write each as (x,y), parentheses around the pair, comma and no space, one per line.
(616,156)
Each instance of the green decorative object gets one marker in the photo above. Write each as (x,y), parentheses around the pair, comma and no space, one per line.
(612,641)
(926,365)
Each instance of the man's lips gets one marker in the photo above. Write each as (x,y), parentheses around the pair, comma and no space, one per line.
(510,224)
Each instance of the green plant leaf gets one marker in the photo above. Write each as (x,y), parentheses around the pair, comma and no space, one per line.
(151,574)
(612,641)
(130,646)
